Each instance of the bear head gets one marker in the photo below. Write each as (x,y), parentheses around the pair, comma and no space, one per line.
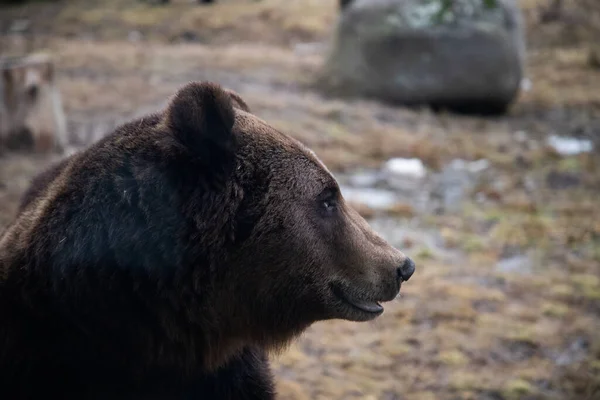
(295,251)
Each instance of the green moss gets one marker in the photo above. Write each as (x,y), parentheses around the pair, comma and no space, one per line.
(523,333)
(461,380)
(472,244)
(453,358)
(517,388)
(592,293)
(556,310)
(493,216)
(588,285)
(562,290)
(569,164)
(595,251)
(586,281)
(425,253)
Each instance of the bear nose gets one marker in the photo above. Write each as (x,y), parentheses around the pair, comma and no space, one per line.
(406,269)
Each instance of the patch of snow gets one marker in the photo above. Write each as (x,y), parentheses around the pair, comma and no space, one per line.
(568,146)
(473,167)
(516,264)
(410,167)
(521,136)
(526,84)
(364,178)
(371,197)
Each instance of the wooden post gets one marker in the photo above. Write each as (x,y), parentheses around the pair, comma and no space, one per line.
(30,104)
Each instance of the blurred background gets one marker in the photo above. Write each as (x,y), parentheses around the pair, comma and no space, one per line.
(465,131)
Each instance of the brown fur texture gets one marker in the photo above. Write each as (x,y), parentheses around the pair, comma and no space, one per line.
(169,258)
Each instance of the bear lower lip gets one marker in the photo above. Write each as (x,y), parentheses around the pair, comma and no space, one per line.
(372,307)
(367,306)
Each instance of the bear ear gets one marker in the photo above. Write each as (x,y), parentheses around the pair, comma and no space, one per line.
(201,117)
(239,102)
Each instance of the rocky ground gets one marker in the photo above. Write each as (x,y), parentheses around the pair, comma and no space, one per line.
(501,219)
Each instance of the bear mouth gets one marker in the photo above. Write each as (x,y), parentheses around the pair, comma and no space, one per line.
(370,307)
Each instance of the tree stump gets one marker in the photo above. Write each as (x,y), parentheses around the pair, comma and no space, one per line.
(31,111)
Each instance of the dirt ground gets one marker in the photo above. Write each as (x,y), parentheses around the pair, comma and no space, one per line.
(505,303)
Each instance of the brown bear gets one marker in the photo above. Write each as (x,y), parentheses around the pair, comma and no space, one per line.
(166,260)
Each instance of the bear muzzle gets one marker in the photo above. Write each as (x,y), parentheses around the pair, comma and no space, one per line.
(365,304)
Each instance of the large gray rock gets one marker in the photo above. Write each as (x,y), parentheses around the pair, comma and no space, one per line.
(468,56)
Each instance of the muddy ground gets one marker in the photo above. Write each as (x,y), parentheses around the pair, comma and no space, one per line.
(506,300)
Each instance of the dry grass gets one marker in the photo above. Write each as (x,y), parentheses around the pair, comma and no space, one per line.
(464,329)
(454,334)
(277,21)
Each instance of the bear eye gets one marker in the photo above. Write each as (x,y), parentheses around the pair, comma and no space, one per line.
(329,205)
(328,202)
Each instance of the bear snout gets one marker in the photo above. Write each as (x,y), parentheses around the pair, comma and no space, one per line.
(393,269)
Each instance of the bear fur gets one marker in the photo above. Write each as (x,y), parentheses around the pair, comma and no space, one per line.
(169,258)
